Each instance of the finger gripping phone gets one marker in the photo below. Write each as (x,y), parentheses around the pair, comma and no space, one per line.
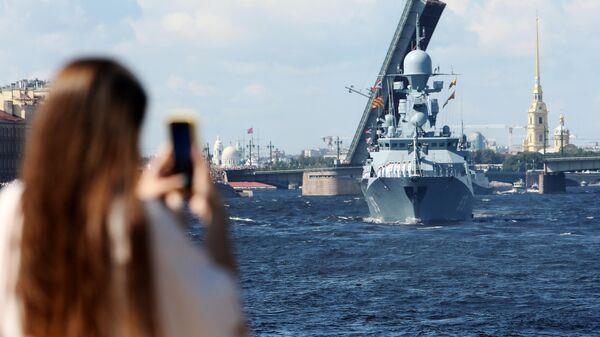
(183,139)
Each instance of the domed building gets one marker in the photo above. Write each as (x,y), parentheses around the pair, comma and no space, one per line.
(217,152)
(561,135)
(231,157)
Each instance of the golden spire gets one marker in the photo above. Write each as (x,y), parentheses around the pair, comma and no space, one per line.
(537,88)
(537,50)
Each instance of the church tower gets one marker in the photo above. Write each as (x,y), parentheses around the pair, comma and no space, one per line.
(561,135)
(537,116)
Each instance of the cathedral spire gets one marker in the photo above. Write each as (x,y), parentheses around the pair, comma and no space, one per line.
(537,88)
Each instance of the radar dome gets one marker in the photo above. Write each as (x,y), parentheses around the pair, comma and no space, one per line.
(417,68)
(417,62)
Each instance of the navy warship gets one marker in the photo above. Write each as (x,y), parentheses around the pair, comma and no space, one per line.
(415,171)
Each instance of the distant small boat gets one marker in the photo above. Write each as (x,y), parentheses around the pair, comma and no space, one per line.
(518,187)
(534,188)
(583,183)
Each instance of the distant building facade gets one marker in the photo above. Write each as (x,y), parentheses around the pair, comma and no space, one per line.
(18,103)
(12,140)
(537,115)
(22,97)
(477,141)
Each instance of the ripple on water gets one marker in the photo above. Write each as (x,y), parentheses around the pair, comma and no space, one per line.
(526,265)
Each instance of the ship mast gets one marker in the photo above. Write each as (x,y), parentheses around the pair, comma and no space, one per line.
(417,168)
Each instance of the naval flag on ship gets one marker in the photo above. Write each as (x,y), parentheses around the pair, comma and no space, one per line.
(452,83)
(453,96)
(377,102)
(377,85)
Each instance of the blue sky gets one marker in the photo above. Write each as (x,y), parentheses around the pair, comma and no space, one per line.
(281,66)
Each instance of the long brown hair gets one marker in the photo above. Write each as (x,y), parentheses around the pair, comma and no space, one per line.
(81,158)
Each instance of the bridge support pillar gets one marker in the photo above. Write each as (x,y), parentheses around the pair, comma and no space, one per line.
(553,182)
(334,181)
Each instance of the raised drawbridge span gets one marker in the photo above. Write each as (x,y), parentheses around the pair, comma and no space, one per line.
(429,13)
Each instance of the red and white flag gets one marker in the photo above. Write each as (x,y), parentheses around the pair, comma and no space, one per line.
(377,85)
(250,131)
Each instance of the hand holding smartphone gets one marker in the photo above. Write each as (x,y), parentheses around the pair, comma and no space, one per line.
(205,201)
(183,138)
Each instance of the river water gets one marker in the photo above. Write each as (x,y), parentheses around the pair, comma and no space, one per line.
(526,265)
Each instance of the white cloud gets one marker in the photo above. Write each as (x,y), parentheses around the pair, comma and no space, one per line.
(255,90)
(507,27)
(257,58)
(200,27)
(195,88)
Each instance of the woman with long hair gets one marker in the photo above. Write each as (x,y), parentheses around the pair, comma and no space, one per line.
(87,245)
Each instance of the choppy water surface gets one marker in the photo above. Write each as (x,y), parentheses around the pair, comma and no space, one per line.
(527,265)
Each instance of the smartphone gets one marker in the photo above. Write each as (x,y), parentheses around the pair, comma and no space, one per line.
(183,138)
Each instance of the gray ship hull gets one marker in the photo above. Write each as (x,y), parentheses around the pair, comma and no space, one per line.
(422,198)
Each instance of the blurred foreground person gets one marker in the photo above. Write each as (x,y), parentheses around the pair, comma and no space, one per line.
(87,246)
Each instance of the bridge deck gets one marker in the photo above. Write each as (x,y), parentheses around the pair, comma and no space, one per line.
(572,164)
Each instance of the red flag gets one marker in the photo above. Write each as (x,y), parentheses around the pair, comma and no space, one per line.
(449,98)
(250,131)
(377,86)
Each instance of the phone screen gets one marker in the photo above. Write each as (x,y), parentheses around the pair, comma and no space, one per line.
(182,139)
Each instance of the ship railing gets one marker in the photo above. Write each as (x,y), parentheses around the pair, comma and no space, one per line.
(405,170)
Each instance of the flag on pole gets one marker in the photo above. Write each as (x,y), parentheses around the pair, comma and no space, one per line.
(377,85)
(377,102)
(368,131)
(452,83)
(453,96)
(250,131)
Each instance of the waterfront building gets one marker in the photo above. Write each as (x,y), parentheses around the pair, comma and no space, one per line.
(477,141)
(18,103)
(21,98)
(561,135)
(12,139)
(537,115)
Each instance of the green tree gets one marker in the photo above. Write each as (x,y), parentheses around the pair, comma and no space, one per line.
(523,161)
(486,157)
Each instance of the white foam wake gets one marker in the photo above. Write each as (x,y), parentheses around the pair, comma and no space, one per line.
(234,218)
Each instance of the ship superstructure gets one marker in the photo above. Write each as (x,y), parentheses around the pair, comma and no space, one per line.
(416,171)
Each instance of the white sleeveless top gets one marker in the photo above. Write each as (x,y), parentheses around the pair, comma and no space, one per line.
(194,296)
